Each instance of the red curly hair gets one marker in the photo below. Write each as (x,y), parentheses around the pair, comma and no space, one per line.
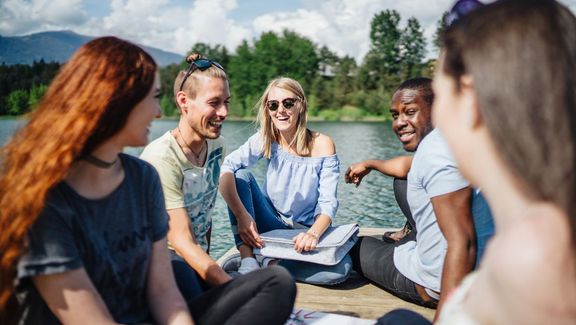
(87,102)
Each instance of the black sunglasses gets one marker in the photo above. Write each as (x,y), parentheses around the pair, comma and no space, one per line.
(288,103)
(200,64)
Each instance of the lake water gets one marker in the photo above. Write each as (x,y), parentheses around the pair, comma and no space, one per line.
(370,205)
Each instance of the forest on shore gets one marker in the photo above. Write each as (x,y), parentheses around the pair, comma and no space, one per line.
(338,88)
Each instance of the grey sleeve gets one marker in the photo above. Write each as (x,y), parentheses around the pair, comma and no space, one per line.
(50,246)
(157,209)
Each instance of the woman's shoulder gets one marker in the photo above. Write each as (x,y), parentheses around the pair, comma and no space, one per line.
(254,141)
(534,262)
(527,238)
(137,167)
(131,161)
(322,145)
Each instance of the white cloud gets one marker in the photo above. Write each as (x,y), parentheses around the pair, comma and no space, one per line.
(344,26)
(137,20)
(24,17)
(160,24)
(208,22)
(174,25)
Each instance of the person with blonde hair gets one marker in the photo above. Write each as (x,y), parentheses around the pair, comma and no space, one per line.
(301,183)
(84,225)
(188,160)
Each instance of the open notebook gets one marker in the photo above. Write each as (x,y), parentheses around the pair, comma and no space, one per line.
(331,249)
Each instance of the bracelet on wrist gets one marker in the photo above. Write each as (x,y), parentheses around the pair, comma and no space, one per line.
(314,234)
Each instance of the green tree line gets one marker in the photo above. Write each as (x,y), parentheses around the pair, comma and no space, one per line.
(337,86)
(22,86)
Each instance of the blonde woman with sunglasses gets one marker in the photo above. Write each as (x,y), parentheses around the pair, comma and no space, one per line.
(301,184)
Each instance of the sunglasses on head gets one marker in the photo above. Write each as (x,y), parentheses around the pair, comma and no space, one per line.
(200,64)
(288,103)
(460,9)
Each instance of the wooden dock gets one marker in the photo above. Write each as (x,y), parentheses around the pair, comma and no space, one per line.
(355,297)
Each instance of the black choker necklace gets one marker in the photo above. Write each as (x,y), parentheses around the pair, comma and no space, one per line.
(99,162)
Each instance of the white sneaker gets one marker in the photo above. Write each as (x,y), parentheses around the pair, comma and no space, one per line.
(265,261)
(248,264)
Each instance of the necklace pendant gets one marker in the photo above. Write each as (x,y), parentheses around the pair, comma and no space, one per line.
(183,145)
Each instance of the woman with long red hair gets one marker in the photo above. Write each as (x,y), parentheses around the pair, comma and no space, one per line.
(84,226)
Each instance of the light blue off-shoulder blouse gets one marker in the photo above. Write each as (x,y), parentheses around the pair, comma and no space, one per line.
(300,188)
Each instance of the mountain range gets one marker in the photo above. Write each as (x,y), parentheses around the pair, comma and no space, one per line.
(58,46)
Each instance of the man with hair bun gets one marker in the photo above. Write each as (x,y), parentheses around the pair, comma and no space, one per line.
(188,159)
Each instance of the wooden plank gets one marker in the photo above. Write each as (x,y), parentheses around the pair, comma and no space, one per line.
(355,297)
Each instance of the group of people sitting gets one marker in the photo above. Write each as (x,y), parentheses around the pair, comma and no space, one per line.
(93,235)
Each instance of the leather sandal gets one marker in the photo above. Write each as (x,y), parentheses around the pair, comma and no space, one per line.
(387,237)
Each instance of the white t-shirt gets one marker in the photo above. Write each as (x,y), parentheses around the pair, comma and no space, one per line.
(186,185)
(433,173)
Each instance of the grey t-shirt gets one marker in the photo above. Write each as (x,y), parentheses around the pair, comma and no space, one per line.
(433,173)
(111,238)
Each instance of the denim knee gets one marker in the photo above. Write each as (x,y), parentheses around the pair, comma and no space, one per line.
(340,272)
(244,174)
(317,273)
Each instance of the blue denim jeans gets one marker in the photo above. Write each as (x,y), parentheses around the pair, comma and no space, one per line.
(267,218)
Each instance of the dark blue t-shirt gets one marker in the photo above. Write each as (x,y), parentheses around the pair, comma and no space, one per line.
(111,238)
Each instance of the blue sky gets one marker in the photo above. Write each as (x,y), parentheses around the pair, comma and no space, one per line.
(175,25)
(245,12)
